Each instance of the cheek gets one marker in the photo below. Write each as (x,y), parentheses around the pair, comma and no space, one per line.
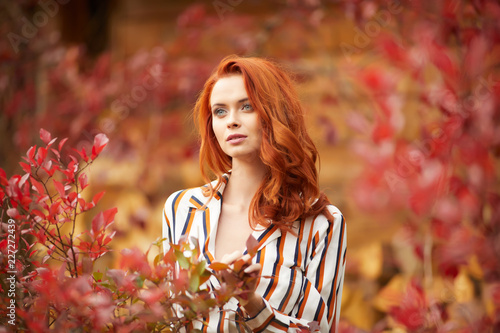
(257,128)
(216,128)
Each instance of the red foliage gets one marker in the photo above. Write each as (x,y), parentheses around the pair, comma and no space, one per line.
(56,287)
(442,177)
(411,312)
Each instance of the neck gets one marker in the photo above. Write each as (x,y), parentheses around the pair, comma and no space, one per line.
(244,182)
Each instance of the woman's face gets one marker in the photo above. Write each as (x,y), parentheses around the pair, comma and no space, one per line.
(234,121)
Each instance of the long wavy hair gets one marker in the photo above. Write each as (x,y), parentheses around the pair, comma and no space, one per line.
(290,188)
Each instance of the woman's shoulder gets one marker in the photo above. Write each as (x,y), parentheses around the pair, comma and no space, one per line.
(323,222)
(181,197)
(334,212)
(195,196)
(198,194)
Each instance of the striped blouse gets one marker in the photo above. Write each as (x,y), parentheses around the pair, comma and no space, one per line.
(301,275)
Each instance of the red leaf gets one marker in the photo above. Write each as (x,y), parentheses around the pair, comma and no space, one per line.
(45,136)
(12,212)
(3,178)
(39,214)
(98,197)
(381,131)
(100,141)
(314,326)
(83,181)
(460,245)
(109,238)
(25,166)
(102,220)
(37,186)
(23,179)
(72,196)
(411,311)
(393,51)
(47,167)
(135,260)
(56,152)
(109,216)
(60,188)
(41,155)
(83,154)
(82,203)
(51,142)
(31,154)
(61,143)
(252,245)
(54,210)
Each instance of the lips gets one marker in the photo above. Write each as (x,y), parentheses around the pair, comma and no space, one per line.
(236,138)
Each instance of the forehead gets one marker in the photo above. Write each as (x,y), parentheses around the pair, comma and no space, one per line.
(228,89)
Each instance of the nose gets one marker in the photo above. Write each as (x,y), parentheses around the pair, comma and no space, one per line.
(233,120)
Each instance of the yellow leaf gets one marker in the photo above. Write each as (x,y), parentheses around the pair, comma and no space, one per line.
(390,295)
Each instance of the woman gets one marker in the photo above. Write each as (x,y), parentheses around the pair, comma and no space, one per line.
(253,138)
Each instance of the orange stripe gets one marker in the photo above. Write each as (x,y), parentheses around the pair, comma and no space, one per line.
(190,223)
(179,200)
(301,235)
(222,321)
(207,241)
(263,240)
(216,193)
(304,302)
(166,218)
(206,324)
(316,240)
(279,325)
(323,264)
(194,202)
(334,299)
(309,239)
(264,325)
(280,263)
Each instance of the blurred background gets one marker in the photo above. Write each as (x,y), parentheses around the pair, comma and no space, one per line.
(402,100)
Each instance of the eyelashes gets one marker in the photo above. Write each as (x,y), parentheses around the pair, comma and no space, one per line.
(220,112)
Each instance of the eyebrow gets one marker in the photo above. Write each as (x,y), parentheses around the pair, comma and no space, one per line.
(222,104)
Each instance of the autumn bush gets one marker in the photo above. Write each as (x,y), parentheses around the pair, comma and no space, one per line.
(47,266)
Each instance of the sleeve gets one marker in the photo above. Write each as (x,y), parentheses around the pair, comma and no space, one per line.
(168,221)
(321,285)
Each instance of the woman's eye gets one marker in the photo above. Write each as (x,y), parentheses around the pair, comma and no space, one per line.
(219,112)
(247,107)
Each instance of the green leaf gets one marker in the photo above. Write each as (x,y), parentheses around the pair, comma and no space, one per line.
(182,260)
(139,281)
(157,259)
(98,276)
(200,268)
(194,283)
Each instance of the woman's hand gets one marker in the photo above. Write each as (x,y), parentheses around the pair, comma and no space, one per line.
(244,275)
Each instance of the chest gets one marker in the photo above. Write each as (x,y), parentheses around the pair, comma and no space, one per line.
(233,230)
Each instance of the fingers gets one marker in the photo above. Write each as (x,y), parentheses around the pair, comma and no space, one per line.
(229,258)
(252,268)
(247,258)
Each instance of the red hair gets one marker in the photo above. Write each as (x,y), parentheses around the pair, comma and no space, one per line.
(290,188)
